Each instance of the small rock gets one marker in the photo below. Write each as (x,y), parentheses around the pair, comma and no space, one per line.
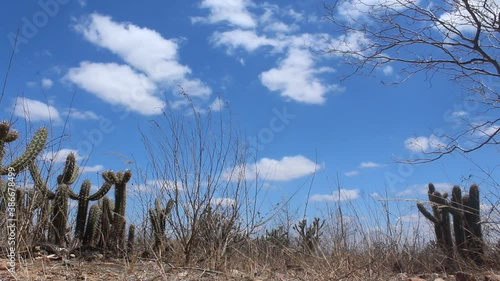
(462,276)
(439,279)
(415,279)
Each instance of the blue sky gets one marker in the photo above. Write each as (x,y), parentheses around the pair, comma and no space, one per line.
(114,61)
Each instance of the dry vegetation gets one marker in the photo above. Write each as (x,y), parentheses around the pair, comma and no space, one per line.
(204,220)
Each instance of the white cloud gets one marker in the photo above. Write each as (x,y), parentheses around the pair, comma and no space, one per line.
(60,155)
(47,83)
(424,144)
(387,70)
(233,12)
(351,173)
(31,84)
(158,58)
(119,85)
(34,110)
(91,169)
(458,114)
(340,195)
(487,131)
(246,39)
(84,115)
(417,189)
(369,164)
(355,10)
(217,105)
(295,78)
(288,168)
(224,202)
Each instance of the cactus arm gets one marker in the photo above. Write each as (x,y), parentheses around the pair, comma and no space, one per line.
(32,150)
(106,186)
(426,213)
(39,183)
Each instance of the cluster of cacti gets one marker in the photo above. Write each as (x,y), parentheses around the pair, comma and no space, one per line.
(61,197)
(158,217)
(465,211)
(103,226)
(309,235)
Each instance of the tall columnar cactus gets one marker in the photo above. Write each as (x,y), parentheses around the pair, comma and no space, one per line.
(440,218)
(120,180)
(106,220)
(457,210)
(466,222)
(60,211)
(83,202)
(158,217)
(32,150)
(131,239)
(474,235)
(92,231)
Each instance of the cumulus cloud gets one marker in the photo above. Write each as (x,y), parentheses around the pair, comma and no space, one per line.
(340,195)
(245,39)
(233,12)
(83,115)
(47,83)
(117,84)
(418,189)
(60,155)
(152,62)
(91,169)
(369,164)
(351,173)
(285,169)
(34,110)
(295,78)
(224,202)
(424,144)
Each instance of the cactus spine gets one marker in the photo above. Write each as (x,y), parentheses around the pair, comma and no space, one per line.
(32,150)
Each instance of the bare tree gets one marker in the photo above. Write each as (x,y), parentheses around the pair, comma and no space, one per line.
(197,160)
(457,38)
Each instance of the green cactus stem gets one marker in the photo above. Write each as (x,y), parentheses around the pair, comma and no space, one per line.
(474,235)
(60,211)
(83,201)
(441,220)
(32,150)
(120,180)
(158,217)
(458,220)
(92,231)
(131,239)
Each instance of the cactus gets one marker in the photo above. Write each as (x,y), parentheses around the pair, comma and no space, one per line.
(30,153)
(83,202)
(120,180)
(106,220)
(458,220)
(60,211)
(474,236)
(92,231)
(158,217)
(131,238)
(441,220)
(309,235)
(466,227)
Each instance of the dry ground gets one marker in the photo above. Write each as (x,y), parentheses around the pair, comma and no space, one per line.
(57,270)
